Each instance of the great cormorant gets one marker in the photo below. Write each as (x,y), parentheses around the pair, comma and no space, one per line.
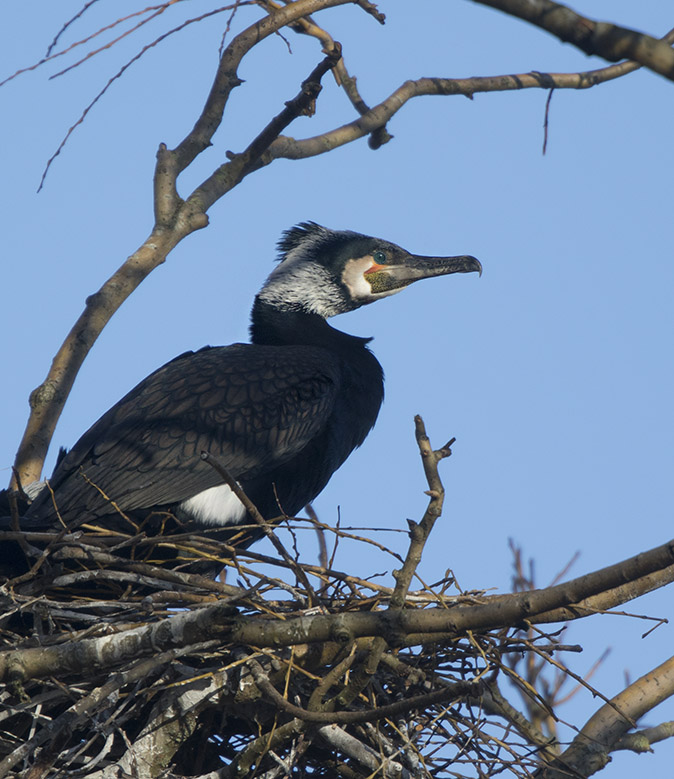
(281,413)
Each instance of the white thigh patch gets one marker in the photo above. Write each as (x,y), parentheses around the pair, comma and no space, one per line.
(214,506)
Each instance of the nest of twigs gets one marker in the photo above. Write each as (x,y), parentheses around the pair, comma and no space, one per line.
(114,662)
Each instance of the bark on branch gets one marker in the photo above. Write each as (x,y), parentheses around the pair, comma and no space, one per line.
(405,627)
(590,751)
(377,117)
(606,40)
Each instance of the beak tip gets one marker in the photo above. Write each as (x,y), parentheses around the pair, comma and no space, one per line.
(475,263)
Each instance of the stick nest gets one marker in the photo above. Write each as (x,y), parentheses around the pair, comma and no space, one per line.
(116,665)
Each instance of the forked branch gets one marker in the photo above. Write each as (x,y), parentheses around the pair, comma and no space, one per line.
(590,751)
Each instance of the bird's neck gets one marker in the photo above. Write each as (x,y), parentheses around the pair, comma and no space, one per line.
(271,325)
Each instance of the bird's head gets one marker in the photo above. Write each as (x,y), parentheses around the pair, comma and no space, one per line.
(329,272)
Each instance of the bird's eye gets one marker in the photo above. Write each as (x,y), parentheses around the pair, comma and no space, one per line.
(379,257)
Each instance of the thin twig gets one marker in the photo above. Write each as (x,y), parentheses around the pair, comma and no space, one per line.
(260,521)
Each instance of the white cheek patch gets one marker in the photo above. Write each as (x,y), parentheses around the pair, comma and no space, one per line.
(217,506)
(356,282)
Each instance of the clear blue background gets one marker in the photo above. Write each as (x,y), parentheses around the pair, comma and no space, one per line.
(554,370)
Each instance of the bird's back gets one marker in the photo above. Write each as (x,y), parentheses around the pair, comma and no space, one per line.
(279,418)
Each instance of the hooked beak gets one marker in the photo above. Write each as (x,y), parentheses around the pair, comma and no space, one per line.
(413,268)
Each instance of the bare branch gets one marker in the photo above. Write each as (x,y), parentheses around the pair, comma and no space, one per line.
(227,79)
(606,40)
(343,78)
(641,740)
(420,532)
(498,611)
(589,751)
(227,176)
(380,114)
(117,75)
(49,56)
(344,743)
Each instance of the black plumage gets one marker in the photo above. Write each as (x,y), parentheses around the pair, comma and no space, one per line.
(281,413)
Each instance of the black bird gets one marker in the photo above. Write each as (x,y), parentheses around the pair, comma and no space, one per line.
(281,413)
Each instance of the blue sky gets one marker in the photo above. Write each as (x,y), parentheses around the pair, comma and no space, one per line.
(553,370)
